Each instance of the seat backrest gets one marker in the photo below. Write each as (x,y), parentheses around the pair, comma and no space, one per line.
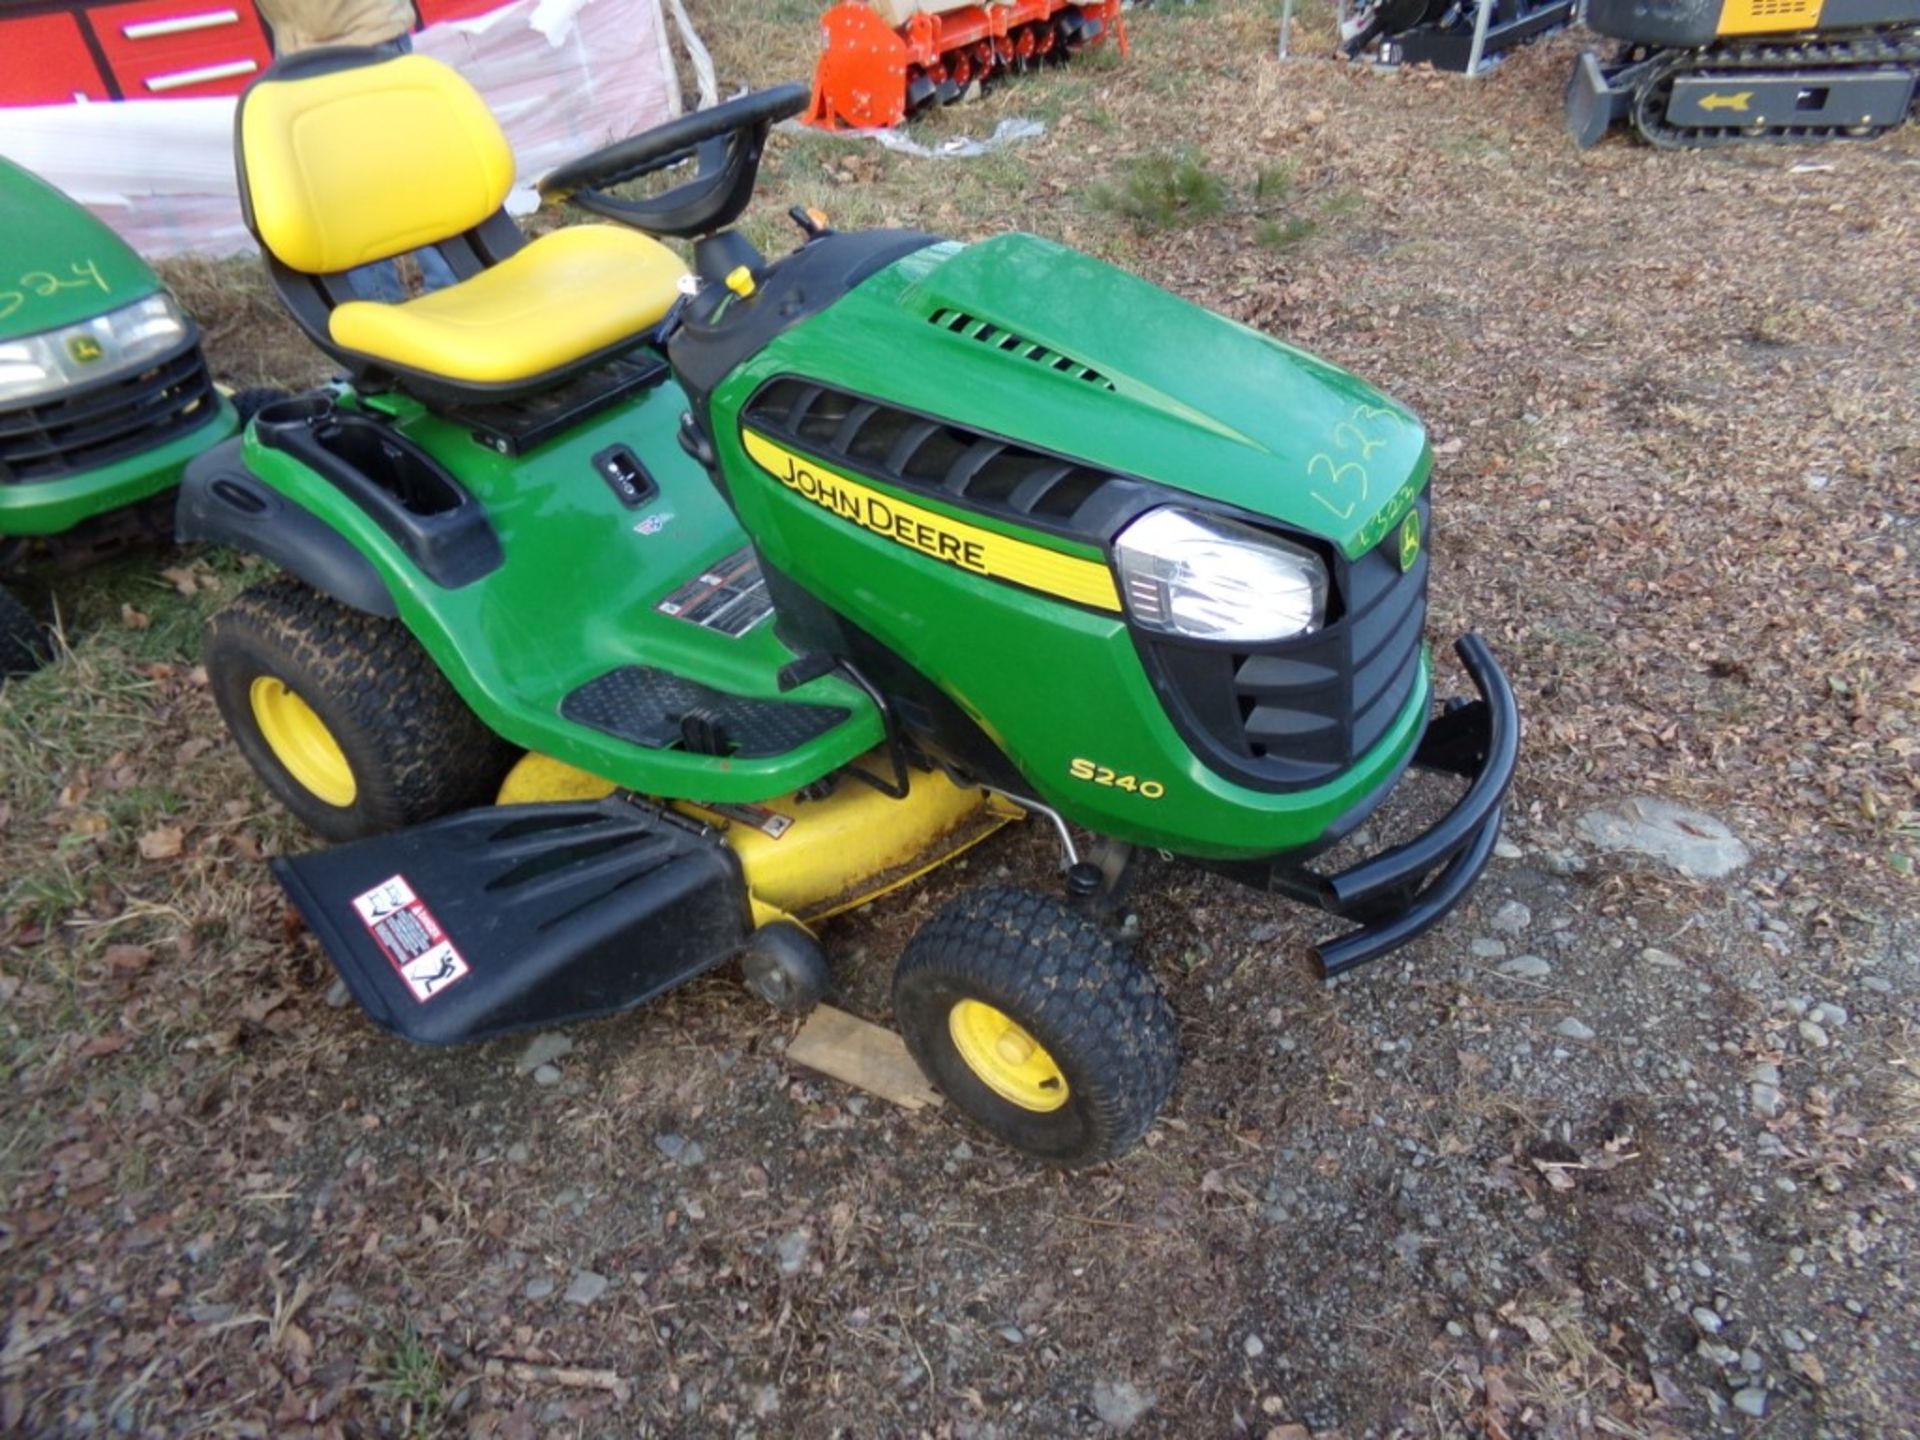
(350,156)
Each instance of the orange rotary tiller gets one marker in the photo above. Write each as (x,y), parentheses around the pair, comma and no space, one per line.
(883,62)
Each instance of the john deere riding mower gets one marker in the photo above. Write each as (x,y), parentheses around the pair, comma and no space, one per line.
(788,580)
(104,396)
(1723,72)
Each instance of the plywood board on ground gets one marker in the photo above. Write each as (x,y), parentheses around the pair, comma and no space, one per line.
(862,1054)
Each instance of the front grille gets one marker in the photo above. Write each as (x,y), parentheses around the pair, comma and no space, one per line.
(962,466)
(68,434)
(1295,714)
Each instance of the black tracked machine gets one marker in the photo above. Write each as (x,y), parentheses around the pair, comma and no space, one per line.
(1693,73)
(1465,36)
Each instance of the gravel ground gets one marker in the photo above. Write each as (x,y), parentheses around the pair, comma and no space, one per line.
(1619,1150)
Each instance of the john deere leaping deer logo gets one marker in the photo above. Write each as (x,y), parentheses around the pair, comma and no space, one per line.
(1409,540)
(84,349)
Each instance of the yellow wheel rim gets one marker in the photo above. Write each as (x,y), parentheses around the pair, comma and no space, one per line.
(1008,1060)
(301,742)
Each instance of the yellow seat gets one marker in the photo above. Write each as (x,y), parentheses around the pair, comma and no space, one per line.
(569,294)
(350,158)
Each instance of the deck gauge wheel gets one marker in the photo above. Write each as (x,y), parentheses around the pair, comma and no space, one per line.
(786,967)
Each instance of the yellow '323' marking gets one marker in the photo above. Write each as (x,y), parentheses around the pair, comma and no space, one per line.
(1345,483)
(1339,477)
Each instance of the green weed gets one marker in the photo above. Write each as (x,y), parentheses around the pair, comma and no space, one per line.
(1161,191)
(1282,234)
(411,1380)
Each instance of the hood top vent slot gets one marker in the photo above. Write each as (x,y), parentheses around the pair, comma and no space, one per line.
(986,333)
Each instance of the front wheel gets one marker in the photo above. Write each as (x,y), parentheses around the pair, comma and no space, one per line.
(23,640)
(343,715)
(1036,1027)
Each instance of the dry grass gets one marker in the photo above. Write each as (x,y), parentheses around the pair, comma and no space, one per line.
(247,333)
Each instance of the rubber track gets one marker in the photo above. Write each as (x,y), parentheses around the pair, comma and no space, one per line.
(435,755)
(1843,56)
(1090,998)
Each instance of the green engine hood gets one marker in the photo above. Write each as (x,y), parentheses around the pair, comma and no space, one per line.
(1038,343)
(58,264)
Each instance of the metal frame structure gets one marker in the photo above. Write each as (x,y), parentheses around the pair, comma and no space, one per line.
(1477,61)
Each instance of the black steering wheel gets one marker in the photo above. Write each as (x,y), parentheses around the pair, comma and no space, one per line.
(726,140)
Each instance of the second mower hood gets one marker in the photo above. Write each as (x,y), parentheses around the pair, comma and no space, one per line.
(1030,340)
(58,264)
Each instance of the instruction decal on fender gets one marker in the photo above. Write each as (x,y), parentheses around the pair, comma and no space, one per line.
(410,938)
(731,597)
(956,543)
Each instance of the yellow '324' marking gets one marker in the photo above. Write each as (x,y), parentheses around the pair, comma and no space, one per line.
(40,284)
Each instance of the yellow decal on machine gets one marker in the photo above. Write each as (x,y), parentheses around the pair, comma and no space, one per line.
(1733,100)
(1769,17)
(1084,769)
(966,547)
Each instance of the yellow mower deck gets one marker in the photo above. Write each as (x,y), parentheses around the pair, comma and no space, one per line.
(809,860)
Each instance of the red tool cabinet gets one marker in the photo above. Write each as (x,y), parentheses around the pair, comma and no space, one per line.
(56,51)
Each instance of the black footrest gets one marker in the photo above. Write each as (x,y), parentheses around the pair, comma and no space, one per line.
(646,706)
(521,915)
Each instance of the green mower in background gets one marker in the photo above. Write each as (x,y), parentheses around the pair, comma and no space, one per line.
(635,621)
(104,396)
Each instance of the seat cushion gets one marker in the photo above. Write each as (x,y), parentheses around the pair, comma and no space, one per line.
(357,164)
(566,295)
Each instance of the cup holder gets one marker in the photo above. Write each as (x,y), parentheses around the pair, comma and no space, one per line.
(292,413)
(409,494)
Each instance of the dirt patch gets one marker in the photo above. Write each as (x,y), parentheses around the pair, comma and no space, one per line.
(1652,1181)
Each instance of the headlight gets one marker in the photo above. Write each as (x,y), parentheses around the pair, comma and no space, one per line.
(96,349)
(1212,579)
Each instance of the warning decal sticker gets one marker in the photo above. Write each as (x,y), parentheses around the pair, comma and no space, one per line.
(731,597)
(410,938)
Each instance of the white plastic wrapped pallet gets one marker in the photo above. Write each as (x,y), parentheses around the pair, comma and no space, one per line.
(562,76)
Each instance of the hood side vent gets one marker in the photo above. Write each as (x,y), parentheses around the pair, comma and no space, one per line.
(954,463)
(962,324)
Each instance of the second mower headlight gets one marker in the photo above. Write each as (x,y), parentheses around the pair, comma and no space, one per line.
(96,349)
(1207,578)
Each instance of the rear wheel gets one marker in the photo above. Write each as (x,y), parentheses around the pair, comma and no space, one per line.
(342,714)
(23,640)
(1036,1026)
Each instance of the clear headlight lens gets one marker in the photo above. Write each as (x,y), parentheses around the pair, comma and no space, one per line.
(96,349)
(1207,578)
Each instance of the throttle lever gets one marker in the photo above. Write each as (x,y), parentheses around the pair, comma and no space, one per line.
(813,223)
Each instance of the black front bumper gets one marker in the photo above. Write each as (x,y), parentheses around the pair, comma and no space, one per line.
(1404,891)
